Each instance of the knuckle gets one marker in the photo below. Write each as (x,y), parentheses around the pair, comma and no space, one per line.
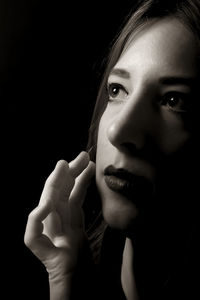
(28,241)
(57,185)
(49,181)
(32,214)
(63,163)
(71,181)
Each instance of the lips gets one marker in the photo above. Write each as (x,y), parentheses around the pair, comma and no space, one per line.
(117,184)
(126,183)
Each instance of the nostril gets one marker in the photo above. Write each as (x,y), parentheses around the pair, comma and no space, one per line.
(130,147)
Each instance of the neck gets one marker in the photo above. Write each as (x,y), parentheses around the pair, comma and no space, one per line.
(127,272)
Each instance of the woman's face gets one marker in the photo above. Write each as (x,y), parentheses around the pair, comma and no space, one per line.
(150,90)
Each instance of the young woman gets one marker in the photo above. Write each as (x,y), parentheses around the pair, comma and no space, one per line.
(143,140)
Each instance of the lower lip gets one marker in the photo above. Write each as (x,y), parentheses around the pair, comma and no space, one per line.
(137,192)
(117,184)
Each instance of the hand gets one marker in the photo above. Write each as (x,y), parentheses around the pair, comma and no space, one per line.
(55,228)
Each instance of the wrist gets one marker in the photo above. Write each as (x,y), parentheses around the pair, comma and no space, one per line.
(60,287)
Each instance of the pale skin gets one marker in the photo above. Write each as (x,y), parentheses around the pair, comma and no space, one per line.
(55,228)
(54,231)
(134,116)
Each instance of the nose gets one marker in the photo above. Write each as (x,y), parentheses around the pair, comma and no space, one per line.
(132,125)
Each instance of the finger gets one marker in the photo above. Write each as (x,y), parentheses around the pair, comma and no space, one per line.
(77,165)
(62,179)
(77,196)
(42,247)
(52,225)
(81,184)
(34,225)
(58,185)
(57,177)
(56,191)
(34,238)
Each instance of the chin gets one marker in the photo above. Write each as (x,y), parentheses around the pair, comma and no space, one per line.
(119,213)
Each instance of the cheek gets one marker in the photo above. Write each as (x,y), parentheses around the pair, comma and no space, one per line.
(101,133)
(105,150)
(102,139)
(102,144)
(173,134)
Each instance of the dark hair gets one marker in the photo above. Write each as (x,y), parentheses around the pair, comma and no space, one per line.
(144,11)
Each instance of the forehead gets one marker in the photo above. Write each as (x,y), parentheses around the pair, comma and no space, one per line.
(165,44)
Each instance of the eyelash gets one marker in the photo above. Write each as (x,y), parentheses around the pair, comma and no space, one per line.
(164,101)
(119,87)
(179,104)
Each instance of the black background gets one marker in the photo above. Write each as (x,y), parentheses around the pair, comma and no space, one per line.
(50,63)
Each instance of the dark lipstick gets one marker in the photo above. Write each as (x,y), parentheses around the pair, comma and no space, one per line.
(124,182)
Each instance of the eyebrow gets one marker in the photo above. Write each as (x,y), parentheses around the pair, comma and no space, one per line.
(175,80)
(121,73)
(168,80)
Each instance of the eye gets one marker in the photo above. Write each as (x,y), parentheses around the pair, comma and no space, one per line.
(116,91)
(175,101)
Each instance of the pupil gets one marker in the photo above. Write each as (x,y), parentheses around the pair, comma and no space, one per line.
(173,100)
(115,91)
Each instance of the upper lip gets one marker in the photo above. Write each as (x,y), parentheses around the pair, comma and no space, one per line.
(124,174)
